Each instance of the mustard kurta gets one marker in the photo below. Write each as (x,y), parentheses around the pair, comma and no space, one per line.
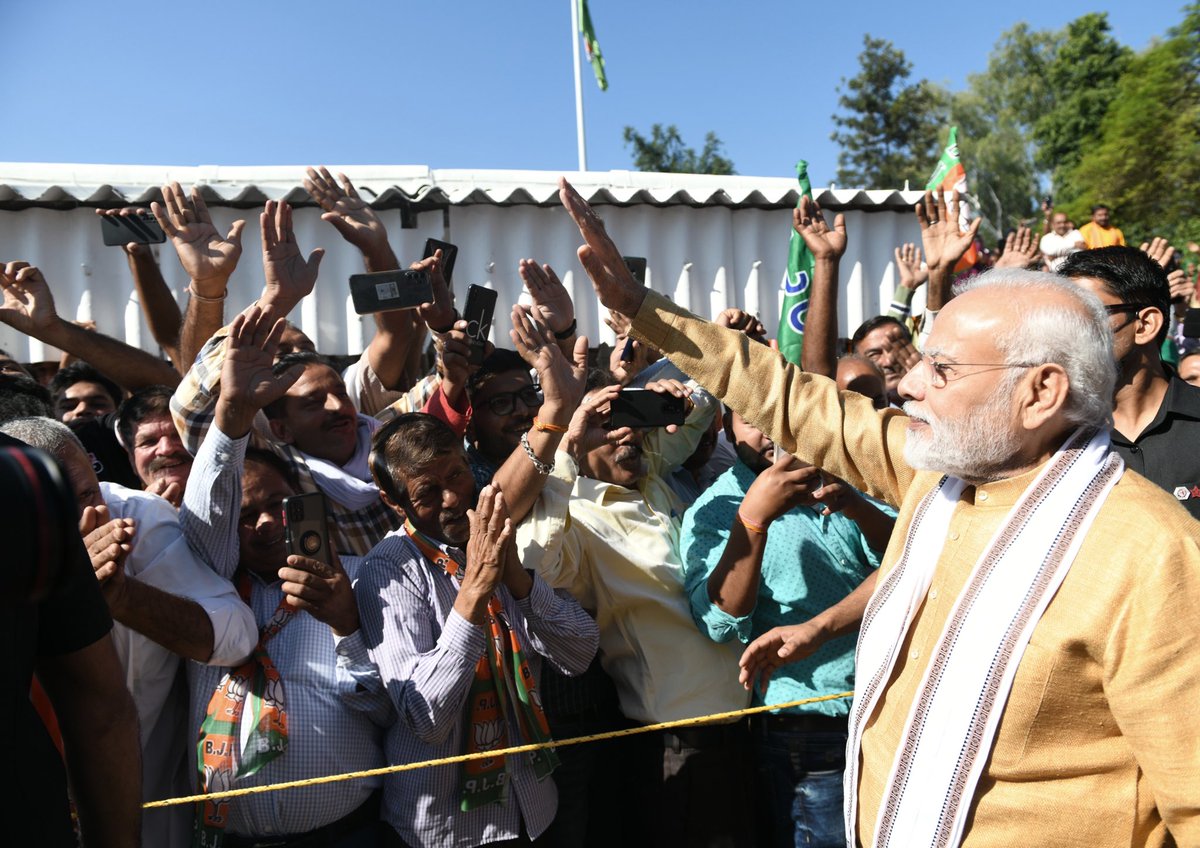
(1098,744)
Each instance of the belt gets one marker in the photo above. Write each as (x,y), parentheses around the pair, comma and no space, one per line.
(801,722)
(328,834)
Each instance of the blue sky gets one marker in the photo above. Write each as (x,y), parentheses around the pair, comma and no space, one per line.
(468,84)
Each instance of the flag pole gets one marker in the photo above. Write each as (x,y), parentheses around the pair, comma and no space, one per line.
(578,86)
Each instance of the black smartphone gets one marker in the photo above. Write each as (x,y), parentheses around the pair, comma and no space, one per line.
(637,267)
(481,307)
(449,254)
(140,227)
(644,408)
(1191,324)
(387,290)
(305,528)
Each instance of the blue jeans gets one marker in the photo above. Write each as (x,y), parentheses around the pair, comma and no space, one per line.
(799,776)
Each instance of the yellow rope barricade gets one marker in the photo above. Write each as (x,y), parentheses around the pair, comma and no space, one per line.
(500,752)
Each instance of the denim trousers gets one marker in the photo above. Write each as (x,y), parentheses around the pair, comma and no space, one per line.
(799,782)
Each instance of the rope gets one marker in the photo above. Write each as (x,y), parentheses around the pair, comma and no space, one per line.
(500,752)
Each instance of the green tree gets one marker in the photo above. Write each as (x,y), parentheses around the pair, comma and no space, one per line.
(665,152)
(888,130)
(1145,159)
(1082,80)
(995,117)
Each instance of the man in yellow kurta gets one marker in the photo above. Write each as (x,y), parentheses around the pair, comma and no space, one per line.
(1093,741)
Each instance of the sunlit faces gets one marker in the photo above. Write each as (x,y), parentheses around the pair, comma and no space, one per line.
(262,548)
(82,401)
(158,452)
(82,477)
(502,409)
(969,427)
(318,416)
(438,496)
(889,347)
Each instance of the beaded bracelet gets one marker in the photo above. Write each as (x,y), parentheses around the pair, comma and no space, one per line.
(542,467)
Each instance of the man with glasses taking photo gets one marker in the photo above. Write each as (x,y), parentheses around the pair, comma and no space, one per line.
(1156,415)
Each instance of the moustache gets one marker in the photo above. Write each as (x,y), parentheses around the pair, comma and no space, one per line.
(159,463)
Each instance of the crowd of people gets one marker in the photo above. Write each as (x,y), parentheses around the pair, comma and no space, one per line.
(980,519)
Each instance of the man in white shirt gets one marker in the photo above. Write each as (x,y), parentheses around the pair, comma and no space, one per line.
(1061,241)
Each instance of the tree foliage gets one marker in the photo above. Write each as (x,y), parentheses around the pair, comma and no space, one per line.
(889,129)
(1144,161)
(665,152)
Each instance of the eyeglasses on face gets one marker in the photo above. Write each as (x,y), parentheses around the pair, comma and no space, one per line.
(505,402)
(1125,308)
(944,372)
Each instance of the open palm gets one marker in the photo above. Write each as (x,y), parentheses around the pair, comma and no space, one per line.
(28,303)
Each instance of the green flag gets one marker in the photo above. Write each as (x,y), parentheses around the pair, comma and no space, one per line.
(591,45)
(794,311)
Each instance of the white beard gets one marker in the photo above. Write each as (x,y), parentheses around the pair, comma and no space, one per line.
(978,447)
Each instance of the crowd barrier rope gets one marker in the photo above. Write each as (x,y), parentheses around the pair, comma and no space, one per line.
(482,755)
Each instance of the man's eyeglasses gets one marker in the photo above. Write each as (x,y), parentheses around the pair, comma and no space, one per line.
(1125,308)
(944,372)
(505,402)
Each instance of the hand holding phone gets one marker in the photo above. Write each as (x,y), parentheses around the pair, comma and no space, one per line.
(449,256)
(137,227)
(640,408)
(305,528)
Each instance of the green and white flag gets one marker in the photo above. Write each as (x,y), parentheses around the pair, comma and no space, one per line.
(591,45)
(794,311)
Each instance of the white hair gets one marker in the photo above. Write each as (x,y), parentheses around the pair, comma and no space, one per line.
(1076,337)
(54,437)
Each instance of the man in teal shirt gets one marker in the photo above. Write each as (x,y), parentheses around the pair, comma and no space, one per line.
(783,557)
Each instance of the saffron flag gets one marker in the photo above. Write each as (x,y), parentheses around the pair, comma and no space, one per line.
(591,45)
(949,176)
(794,310)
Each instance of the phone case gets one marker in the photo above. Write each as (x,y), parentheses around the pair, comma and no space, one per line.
(305,528)
(644,408)
(449,255)
(388,290)
(481,308)
(120,230)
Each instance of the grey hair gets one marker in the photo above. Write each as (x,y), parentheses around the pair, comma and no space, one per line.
(54,437)
(1079,339)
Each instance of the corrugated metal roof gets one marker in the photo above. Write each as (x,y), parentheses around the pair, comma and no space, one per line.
(63,186)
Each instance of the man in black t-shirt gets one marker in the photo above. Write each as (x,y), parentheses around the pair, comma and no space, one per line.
(64,637)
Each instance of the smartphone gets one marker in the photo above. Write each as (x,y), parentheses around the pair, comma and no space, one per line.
(305,529)
(481,307)
(449,254)
(140,227)
(644,408)
(1191,324)
(387,290)
(637,267)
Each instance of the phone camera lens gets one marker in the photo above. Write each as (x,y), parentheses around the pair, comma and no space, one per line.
(310,542)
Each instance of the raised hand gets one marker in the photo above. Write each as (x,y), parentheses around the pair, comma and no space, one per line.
(548,293)
(778,646)
(785,484)
(1020,249)
(28,303)
(323,591)
(350,215)
(487,550)
(1158,249)
(248,381)
(439,313)
(614,284)
(908,264)
(562,381)
(109,542)
(737,319)
(289,276)
(586,430)
(207,258)
(168,490)
(671,386)
(1180,286)
(809,222)
(943,241)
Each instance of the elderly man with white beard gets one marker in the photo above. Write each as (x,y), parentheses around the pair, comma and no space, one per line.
(1024,673)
